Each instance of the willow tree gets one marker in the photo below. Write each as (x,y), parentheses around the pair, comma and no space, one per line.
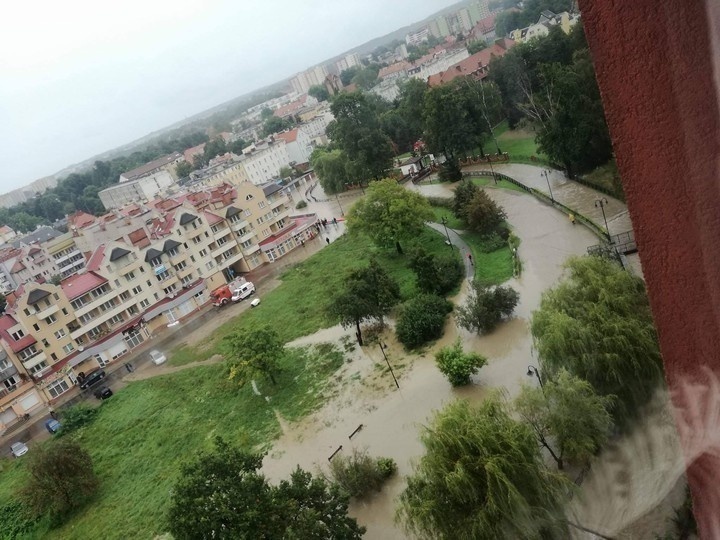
(597,324)
(482,476)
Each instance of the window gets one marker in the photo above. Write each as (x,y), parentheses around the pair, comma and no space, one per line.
(84,319)
(60,333)
(45,343)
(203,253)
(107,305)
(101,360)
(170,289)
(51,319)
(130,276)
(68,348)
(192,258)
(137,290)
(144,303)
(247,213)
(180,266)
(173,252)
(222,241)
(261,204)
(187,279)
(37,368)
(77,304)
(58,387)
(97,293)
(235,218)
(266,232)
(64,311)
(53,356)
(246,244)
(215,228)
(10,383)
(36,327)
(162,276)
(209,264)
(157,261)
(18,335)
(149,283)
(249,197)
(124,296)
(115,319)
(132,310)
(95,332)
(117,282)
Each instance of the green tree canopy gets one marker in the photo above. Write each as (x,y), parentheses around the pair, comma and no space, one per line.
(464,193)
(183,169)
(483,215)
(61,478)
(368,293)
(435,274)
(481,477)
(334,169)
(597,324)
(319,92)
(486,307)
(275,124)
(254,352)
(422,319)
(222,494)
(457,365)
(570,420)
(389,214)
(476,46)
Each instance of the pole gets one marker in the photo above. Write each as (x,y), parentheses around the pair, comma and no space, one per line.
(382,348)
(444,222)
(341,208)
(532,370)
(492,170)
(601,203)
(549,188)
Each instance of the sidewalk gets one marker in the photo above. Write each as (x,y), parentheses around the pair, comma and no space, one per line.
(458,242)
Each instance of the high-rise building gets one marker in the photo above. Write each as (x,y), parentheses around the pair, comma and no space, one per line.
(464,21)
(302,82)
(439,27)
(347,61)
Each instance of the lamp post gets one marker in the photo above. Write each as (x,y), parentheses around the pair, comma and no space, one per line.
(545,174)
(444,222)
(600,203)
(532,370)
(492,171)
(341,208)
(382,348)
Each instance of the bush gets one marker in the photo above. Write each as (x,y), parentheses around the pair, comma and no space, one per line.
(76,417)
(301,204)
(422,319)
(442,202)
(450,171)
(486,307)
(17,520)
(491,242)
(436,274)
(464,193)
(457,365)
(359,474)
(484,215)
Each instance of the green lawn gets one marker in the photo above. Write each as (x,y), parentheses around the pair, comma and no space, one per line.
(520,144)
(297,307)
(452,221)
(145,431)
(491,268)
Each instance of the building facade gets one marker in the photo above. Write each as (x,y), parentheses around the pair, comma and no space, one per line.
(140,189)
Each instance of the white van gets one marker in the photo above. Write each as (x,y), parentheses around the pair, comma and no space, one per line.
(243,291)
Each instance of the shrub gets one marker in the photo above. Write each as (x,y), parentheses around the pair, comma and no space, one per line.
(464,193)
(301,204)
(76,417)
(486,307)
(436,274)
(450,171)
(359,474)
(484,215)
(442,202)
(422,319)
(457,365)
(491,242)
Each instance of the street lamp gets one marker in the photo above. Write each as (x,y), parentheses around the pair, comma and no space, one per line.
(532,370)
(545,174)
(338,201)
(444,222)
(492,171)
(600,203)
(382,348)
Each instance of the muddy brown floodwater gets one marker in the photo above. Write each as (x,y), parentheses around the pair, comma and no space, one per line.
(365,394)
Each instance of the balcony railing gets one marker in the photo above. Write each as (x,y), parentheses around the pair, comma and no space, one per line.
(8,372)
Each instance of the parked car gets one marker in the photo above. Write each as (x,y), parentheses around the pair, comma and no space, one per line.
(255,302)
(243,291)
(52,425)
(157,357)
(91,379)
(18,449)
(103,392)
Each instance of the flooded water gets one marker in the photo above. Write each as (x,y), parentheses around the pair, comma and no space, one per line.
(391,418)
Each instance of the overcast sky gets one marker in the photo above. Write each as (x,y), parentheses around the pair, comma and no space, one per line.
(79,77)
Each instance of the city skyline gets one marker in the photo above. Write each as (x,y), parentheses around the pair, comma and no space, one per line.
(80,86)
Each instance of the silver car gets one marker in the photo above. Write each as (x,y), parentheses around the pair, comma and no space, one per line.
(18,449)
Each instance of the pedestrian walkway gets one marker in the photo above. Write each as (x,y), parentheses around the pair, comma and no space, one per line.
(458,242)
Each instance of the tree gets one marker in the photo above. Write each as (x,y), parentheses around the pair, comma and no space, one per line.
(457,365)
(319,92)
(464,193)
(237,146)
(359,475)
(481,476)
(476,46)
(266,113)
(570,420)
(221,494)
(214,148)
(434,274)
(389,214)
(486,307)
(422,319)
(368,293)
(597,324)
(366,77)
(357,131)
(333,169)
(61,478)
(285,172)
(254,352)
(484,215)
(183,169)
(275,124)
(55,279)
(346,76)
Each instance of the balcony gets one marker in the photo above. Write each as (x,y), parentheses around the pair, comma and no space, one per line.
(8,372)
(184,271)
(45,313)
(247,236)
(235,257)
(252,249)
(34,360)
(101,318)
(239,225)
(278,202)
(178,257)
(95,303)
(60,260)
(218,251)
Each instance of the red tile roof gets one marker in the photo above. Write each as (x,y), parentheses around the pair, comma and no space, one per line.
(291,108)
(7,322)
(475,65)
(190,153)
(79,284)
(212,219)
(96,258)
(81,219)
(5,229)
(139,238)
(288,136)
(393,68)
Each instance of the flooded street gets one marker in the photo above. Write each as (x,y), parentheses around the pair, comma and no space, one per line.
(391,418)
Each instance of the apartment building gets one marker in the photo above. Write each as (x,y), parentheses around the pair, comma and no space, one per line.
(302,82)
(66,255)
(18,393)
(164,163)
(297,143)
(137,189)
(262,161)
(347,61)
(418,36)
(227,172)
(6,234)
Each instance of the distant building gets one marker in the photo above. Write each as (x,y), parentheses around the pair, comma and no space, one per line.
(348,61)
(263,161)
(164,163)
(464,20)
(190,154)
(143,188)
(298,145)
(476,66)
(439,27)
(418,36)
(302,82)
(294,107)
(547,20)
(6,234)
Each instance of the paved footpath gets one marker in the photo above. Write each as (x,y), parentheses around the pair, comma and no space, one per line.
(458,242)
(571,194)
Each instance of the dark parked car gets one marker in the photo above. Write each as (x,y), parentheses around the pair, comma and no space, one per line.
(103,392)
(91,379)
(52,425)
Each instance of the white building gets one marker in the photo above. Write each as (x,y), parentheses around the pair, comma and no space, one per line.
(302,82)
(438,64)
(164,163)
(142,189)
(348,61)
(418,36)
(297,143)
(263,161)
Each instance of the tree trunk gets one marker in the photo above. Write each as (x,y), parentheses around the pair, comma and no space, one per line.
(558,459)
(398,247)
(358,334)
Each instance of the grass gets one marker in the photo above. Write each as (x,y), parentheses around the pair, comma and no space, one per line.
(491,268)
(607,177)
(519,144)
(452,221)
(143,433)
(297,307)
